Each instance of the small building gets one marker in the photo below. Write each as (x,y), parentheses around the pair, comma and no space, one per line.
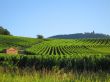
(11,51)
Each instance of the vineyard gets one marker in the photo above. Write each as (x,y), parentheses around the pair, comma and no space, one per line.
(15,41)
(71,47)
(69,54)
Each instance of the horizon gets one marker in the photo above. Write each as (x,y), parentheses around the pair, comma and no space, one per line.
(79,33)
(29,18)
(61,34)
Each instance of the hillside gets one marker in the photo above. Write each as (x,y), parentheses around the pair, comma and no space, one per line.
(72,54)
(15,41)
(71,47)
(81,35)
(56,46)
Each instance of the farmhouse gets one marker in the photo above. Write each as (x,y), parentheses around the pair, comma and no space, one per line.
(11,51)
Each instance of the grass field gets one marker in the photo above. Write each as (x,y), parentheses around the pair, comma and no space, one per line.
(29,75)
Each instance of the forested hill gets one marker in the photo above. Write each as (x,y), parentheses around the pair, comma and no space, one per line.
(81,35)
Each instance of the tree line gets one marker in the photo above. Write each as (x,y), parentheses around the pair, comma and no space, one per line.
(81,35)
(4,31)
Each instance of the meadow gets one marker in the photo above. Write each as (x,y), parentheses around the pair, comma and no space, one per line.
(29,75)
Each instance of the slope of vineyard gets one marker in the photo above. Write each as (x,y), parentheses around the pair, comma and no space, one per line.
(57,46)
(15,41)
(71,47)
(73,54)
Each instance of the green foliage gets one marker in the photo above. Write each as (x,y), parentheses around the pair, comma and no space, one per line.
(71,47)
(4,31)
(79,63)
(83,56)
(15,41)
(71,54)
(82,35)
(40,37)
(29,75)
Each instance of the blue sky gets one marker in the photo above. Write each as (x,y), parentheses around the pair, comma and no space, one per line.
(52,17)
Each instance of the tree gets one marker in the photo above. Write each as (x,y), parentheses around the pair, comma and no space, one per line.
(93,32)
(40,36)
(4,31)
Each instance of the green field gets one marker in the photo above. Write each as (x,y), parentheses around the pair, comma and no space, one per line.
(79,55)
(15,41)
(71,47)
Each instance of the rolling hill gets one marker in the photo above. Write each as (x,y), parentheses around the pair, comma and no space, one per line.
(16,41)
(81,35)
(73,54)
(56,46)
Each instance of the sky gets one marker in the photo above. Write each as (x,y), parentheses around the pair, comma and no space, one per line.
(52,17)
